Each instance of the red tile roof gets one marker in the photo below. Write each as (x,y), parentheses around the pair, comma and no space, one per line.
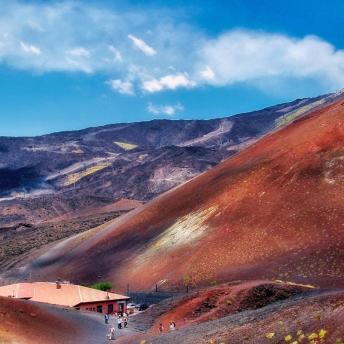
(68,295)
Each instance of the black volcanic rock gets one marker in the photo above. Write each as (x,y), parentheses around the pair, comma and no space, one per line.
(46,176)
(24,177)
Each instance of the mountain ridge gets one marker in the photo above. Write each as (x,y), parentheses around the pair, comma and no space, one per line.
(206,228)
(221,117)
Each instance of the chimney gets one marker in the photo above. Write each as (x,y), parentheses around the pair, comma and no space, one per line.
(58,284)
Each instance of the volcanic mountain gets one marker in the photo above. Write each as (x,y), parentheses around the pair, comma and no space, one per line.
(48,176)
(58,185)
(273,211)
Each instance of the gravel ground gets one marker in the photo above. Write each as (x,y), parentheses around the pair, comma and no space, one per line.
(246,326)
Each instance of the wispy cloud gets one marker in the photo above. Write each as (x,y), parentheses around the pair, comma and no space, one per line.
(168,82)
(123,87)
(116,53)
(79,52)
(166,109)
(142,45)
(49,37)
(30,48)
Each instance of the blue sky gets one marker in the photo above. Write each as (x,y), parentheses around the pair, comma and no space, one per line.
(67,65)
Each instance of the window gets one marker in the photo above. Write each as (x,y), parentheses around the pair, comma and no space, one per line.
(100,309)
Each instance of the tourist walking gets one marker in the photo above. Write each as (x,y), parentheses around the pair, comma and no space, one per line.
(161,328)
(111,334)
(119,322)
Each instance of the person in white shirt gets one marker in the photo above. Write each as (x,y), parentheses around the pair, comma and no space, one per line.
(119,322)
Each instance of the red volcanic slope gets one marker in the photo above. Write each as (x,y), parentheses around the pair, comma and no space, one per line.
(34,323)
(315,318)
(223,300)
(274,211)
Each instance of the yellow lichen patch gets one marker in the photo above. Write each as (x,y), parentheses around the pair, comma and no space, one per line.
(126,146)
(75,177)
(186,230)
(288,338)
(290,116)
(270,335)
(313,336)
(322,333)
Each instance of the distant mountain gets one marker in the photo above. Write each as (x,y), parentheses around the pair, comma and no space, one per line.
(273,211)
(48,176)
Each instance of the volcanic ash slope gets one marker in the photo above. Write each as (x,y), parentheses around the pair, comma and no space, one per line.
(274,211)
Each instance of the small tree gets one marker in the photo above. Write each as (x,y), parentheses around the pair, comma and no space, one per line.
(104,286)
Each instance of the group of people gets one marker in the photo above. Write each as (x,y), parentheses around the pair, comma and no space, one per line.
(172,326)
(122,322)
(120,319)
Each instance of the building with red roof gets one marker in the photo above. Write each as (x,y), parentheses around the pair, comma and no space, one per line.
(68,295)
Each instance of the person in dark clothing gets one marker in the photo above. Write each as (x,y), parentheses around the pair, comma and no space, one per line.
(119,322)
(161,328)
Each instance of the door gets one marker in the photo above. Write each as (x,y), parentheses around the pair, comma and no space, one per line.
(100,309)
(120,307)
(110,309)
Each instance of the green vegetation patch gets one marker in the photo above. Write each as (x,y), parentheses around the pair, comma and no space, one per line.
(104,286)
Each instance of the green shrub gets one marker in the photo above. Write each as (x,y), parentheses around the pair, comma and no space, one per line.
(104,286)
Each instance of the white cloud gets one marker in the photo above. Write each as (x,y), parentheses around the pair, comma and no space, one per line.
(167,109)
(142,45)
(168,82)
(52,38)
(30,48)
(79,52)
(207,73)
(123,87)
(248,56)
(151,86)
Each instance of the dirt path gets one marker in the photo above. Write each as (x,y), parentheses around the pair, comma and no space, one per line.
(135,327)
